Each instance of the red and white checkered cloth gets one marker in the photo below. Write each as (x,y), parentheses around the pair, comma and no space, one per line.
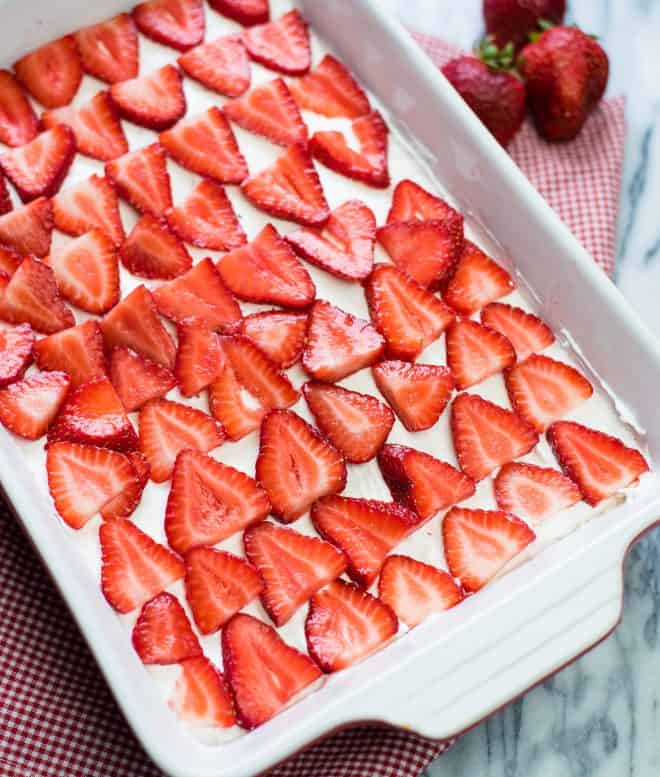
(57,717)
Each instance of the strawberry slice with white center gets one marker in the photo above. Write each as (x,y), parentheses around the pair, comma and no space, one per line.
(167,428)
(134,567)
(176,23)
(88,205)
(346,624)
(245,12)
(152,251)
(16,346)
(134,323)
(267,270)
(525,331)
(218,585)
(289,189)
(280,335)
(52,73)
(269,110)
(141,178)
(221,65)
(28,230)
(210,501)
(418,393)
(83,478)
(345,244)
(198,294)
(38,168)
(293,567)
(162,633)
(282,45)
(87,271)
(95,125)
(206,219)
(198,357)
(338,343)
(356,424)
(78,351)
(411,202)
(543,390)
(475,352)
(476,281)
(421,482)
(263,671)
(201,696)
(29,406)
(415,590)
(18,121)
(479,543)
(296,465)
(205,144)
(125,503)
(369,164)
(330,90)
(486,435)
(109,50)
(155,100)
(533,493)
(137,379)
(600,465)
(408,316)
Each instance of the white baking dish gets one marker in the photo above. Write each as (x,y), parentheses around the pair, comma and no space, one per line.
(449,673)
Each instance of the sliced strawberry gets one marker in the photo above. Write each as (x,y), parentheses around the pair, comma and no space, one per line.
(16,346)
(152,251)
(346,624)
(415,590)
(134,323)
(205,144)
(271,111)
(137,379)
(9,260)
(125,503)
(486,435)
(222,65)
(78,351)
(263,671)
(533,493)
(31,297)
(18,122)
(599,464)
(52,73)
(38,168)
(281,45)
(280,335)
(245,12)
(206,219)
(198,357)
(266,270)
(201,696)
(88,205)
(162,633)
(28,407)
(543,390)
(28,230)
(176,23)
(218,585)
(408,316)
(293,567)
(475,352)
(109,50)
(87,271)
(479,543)
(411,202)
(209,502)
(422,483)
(338,344)
(356,424)
(134,567)
(167,428)
(96,127)
(155,100)
(290,189)
(369,164)
(6,204)
(198,294)
(83,478)
(526,332)
(331,90)
(418,393)
(141,178)
(476,281)
(296,465)
(344,246)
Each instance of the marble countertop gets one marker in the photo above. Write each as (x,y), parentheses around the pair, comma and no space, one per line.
(600,717)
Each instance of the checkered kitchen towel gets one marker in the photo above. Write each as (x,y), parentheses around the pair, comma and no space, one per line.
(57,717)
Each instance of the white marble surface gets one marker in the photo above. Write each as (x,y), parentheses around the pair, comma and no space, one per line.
(600,717)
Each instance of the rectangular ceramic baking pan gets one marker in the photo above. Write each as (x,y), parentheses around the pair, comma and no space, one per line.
(449,673)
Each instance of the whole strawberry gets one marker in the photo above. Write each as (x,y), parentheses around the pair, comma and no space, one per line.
(566,73)
(511,21)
